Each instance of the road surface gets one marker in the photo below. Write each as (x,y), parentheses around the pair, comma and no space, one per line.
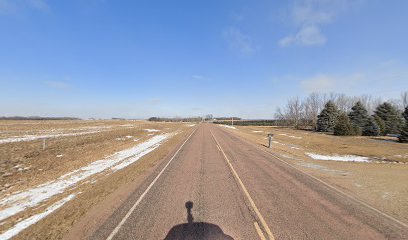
(218,186)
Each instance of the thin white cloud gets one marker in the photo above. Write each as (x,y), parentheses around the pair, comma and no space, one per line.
(8,7)
(236,17)
(319,83)
(39,4)
(58,85)
(307,36)
(308,16)
(198,77)
(386,80)
(238,41)
(154,101)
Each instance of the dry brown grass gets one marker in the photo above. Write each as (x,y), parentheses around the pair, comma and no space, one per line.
(36,166)
(98,201)
(381,183)
(26,164)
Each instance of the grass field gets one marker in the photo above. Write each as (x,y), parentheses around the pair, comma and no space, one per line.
(380,179)
(79,168)
(76,160)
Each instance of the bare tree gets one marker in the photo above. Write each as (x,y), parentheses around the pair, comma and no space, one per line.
(404,99)
(342,101)
(312,107)
(370,102)
(297,112)
(279,115)
(294,111)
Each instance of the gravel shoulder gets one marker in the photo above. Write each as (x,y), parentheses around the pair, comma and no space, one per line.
(381,182)
(78,151)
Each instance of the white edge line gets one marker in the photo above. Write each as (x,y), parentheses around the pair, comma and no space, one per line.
(117,228)
(327,184)
(251,201)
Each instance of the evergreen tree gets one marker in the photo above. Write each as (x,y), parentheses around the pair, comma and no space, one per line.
(380,123)
(404,131)
(405,114)
(371,128)
(327,118)
(343,126)
(391,117)
(358,117)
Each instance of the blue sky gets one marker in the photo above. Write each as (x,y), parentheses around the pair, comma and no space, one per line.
(136,59)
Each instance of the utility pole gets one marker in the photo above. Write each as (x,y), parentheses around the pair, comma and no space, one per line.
(232,121)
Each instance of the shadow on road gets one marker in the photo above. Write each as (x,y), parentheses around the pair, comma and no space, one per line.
(196,230)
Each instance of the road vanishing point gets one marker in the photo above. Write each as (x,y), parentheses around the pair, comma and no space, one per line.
(216,185)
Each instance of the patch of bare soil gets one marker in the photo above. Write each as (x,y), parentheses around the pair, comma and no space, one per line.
(381,182)
(26,164)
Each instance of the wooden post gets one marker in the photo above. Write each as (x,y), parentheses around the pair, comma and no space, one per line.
(44,145)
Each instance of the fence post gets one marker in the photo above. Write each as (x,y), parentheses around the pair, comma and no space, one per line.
(270,137)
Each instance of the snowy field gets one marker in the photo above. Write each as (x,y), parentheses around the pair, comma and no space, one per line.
(38,179)
(18,202)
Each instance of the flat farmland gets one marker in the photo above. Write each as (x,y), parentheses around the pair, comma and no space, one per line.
(46,164)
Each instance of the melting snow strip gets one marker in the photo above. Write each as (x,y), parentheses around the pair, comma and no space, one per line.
(151,130)
(19,201)
(35,137)
(13,231)
(228,126)
(284,134)
(344,158)
(289,145)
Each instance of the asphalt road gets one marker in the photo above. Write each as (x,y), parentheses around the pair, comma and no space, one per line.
(218,186)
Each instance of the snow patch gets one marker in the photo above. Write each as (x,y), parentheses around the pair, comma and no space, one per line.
(20,226)
(151,130)
(288,145)
(19,201)
(284,134)
(386,195)
(191,125)
(344,158)
(228,126)
(27,138)
(126,125)
(257,131)
(319,167)
(60,156)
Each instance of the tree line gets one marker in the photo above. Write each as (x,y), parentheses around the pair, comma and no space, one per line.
(175,119)
(37,118)
(346,116)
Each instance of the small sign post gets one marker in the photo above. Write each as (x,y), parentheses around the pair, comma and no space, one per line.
(270,137)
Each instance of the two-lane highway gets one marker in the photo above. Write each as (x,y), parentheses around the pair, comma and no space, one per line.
(218,186)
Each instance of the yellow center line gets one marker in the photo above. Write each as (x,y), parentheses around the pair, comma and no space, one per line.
(258,213)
